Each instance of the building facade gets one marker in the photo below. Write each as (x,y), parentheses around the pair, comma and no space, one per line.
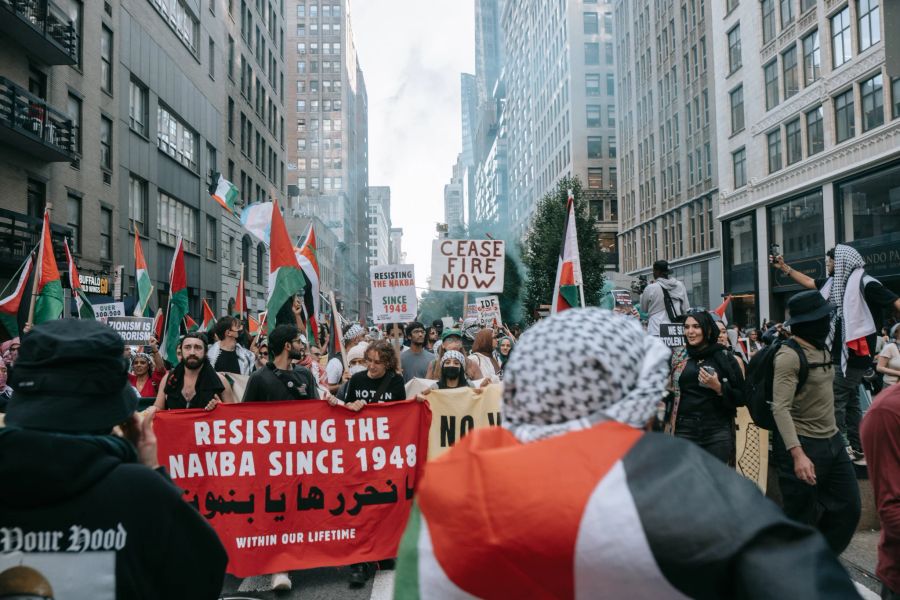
(133,108)
(454,203)
(327,137)
(668,181)
(398,256)
(810,149)
(560,107)
(379,216)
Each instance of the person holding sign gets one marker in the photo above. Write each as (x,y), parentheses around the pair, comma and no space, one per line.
(193,383)
(140,377)
(707,386)
(280,379)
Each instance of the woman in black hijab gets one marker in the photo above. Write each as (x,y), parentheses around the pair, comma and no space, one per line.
(707,387)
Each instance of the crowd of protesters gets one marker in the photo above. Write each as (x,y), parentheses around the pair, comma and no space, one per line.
(837,341)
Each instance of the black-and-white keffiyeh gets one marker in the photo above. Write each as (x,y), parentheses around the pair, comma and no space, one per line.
(846,261)
(580,367)
(355,331)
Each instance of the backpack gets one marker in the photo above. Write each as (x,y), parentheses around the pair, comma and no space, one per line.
(760,377)
(675,316)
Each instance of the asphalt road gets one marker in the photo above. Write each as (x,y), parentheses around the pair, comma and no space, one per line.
(314,584)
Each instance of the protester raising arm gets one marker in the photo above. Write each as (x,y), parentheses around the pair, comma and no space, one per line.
(798,277)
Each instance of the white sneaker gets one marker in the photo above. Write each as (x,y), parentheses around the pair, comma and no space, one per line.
(280,582)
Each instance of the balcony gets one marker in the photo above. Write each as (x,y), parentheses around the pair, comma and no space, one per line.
(42,28)
(20,234)
(29,124)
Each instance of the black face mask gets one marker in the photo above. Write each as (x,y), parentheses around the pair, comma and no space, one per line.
(814,332)
(452,372)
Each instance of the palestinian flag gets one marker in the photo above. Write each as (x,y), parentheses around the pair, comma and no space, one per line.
(209,318)
(223,192)
(307,258)
(48,305)
(190,324)
(252,326)
(285,276)
(158,322)
(85,310)
(605,512)
(335,342)
(567,291)
(141,277)
(723,308)
(11,304)
(178,304)
(240,299)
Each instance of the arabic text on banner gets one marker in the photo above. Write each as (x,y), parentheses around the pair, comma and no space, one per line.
(298,485)
(457,412)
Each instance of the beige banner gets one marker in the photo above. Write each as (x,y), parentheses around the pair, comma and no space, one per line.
(454,413)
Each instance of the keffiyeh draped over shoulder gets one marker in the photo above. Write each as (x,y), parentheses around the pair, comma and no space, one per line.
(838,291)
(579,367)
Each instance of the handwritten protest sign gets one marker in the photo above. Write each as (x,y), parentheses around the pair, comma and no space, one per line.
(393,294)
(135,331)
(489,310)
(672,334)
(456,412)
(297,485)
(109,309)
(467,265)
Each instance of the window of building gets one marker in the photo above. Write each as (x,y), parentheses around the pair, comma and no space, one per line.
(793,141)
(591,53)
(840,38)
(734,49)
(895,97)
(106,222)
(737,109)
(768,20)
(608,51)
(770,73)
(787,12)
(212,58)
(607,22)
(137,202)
(773,141)
(796,226)
(231,57)
(591,23)
(106,143)
(592,84)
(137,106)
(611,115)
(789,71)
(595,178)
(73,109)
(869,207)
(739,167)
(593,115)
(260,263)
(180,19)
(176,139)
(844,119)
(871,95)
(73,221)
(815,131)
(610,84)
(106,54)
(811,58)
(730,5)
(869,23)
(805,5)
(175,218)
(211,164)
(595,147)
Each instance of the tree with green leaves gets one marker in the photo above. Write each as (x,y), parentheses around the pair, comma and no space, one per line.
(544,240)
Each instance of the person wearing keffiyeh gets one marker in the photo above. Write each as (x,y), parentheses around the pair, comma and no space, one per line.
(571,499)
(860,301)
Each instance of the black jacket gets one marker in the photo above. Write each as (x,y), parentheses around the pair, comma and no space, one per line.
(270,384)
(64,487)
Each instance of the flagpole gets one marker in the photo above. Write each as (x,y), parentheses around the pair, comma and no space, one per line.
(242,293)
(37,272)
(14,279)
(338,333)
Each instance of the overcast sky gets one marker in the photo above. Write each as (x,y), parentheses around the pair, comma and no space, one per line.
(412,53)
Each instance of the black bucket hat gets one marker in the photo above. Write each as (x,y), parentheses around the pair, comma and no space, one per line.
(71,376)
(808,306)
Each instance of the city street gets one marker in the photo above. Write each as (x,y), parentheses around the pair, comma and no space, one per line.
(315,584)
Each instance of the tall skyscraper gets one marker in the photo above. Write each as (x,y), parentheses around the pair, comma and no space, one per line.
(488,47)
(667,128)
(454,212)
(560,109)
(379,225)
(809,141)
(327,136)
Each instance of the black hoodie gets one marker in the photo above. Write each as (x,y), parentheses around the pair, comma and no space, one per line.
(68,496)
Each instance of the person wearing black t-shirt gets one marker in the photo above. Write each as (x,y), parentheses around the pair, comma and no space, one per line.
(280,379)
(860,300)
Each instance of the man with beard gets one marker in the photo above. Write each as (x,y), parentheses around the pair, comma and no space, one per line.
(859,301)
(280,379)
(414,360)
(193,383)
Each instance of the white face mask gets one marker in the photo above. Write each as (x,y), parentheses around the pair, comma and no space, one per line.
(357,369)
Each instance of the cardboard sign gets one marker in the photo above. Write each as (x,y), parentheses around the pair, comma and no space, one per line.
(298,485)
(393,294)
(467,265)
(471,311)
(489,310)
(135,331)
(622,298)
(672,334)
(110,309)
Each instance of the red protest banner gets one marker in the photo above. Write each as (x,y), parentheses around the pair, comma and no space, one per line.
(297,485)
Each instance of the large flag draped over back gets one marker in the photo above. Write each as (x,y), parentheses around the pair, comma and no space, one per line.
(309,263)
(141,277)
(178,303)
(285,277)
(48,304)
(567,290)
(11,304)
(85,310)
